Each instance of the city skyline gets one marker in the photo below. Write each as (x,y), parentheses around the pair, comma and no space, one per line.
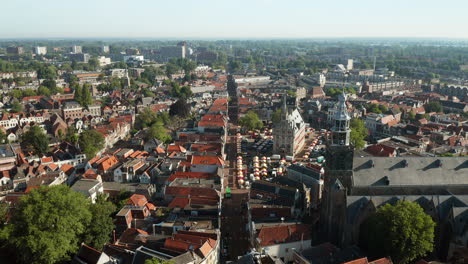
(258,19)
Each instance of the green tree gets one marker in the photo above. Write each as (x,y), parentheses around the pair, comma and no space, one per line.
(373,108)
(99,230)
(16,93)
(411,116)
(235,66)
(71,135)
(51,84)
(276,117)
(16,107)
(86,93)
(29,92)
(158,261)
(180,108)
(4,207)
(42,90)
(251,121)
(91,142)
(181,92)
(358,133)
(402,231)
(147,92)
(47,224)
(433,107)
(78,96)
(3,137)
(159,132)
(93,63)
(145,119)
(35,140)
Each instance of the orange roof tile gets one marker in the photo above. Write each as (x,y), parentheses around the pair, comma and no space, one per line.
(66,168)
(175,148)
(207,160)
(53,166)
(137,200)
(189,175)
(47,160)
(358,261)
(283,234)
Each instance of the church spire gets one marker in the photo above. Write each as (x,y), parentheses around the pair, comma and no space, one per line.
(340,130)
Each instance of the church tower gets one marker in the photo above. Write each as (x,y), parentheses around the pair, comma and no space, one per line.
(339,156)
(338,176)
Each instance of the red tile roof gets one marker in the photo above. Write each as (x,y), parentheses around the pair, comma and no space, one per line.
(206,147)
(220,101)
(382,261)
(283,234)
(358,261)
(175,148)
(47,160)
(189,175)
(182,202)
(380,150)
(212,121)
(137,200)
(207,160)
(67,168)
(53,166)
(151,206)
(108,163)
(130,234)
(181,242)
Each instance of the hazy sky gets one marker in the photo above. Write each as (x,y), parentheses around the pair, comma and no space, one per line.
(233,18)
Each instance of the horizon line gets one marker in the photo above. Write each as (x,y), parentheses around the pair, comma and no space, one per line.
(242,38)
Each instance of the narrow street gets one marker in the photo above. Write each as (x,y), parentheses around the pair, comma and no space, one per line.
(234,214)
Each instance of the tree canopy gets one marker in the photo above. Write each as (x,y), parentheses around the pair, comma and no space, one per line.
(16,107)
(159,132)
(251,121)
(402,231)
(47,225)
(376,108)
(181,92)
(433,107)
(276,117)
(358,133)
(180,108)
(83,95)
(158,261)
(91,142)
(100,228)
(35,140)
(333,92)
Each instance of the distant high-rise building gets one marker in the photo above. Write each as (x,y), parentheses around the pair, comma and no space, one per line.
(169,52)
(207,56)
(350,64)
(76,49)
(105,49)
(184,47)
(15,50)
(40,50)
(81,57)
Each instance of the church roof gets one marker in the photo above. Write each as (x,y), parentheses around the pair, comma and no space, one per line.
(410,171)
